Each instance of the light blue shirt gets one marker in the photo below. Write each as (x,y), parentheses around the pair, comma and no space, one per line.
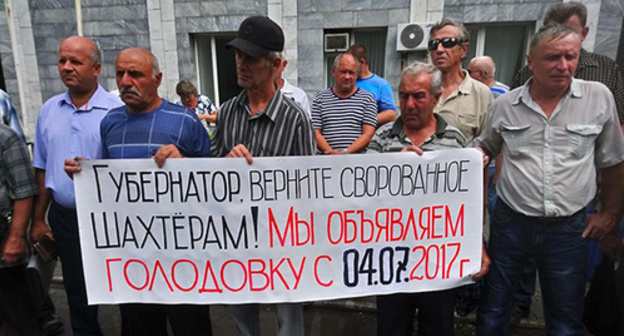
(64,132)
(381,90)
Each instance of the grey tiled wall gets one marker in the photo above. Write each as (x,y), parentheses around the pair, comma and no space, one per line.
(316,15)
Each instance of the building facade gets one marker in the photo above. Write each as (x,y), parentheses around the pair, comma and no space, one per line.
(188,37)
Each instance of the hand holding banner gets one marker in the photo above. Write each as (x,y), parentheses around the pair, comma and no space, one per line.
(285,229)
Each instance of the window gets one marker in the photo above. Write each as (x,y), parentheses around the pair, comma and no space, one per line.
(375,42)
(216,67)
(507,45)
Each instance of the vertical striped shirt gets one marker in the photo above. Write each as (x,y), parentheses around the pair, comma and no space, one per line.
(282,129)
(391,138)
(591,67)
(341,120)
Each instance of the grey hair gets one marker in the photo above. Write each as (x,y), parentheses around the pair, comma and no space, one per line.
(281,54)
(155,66)
(550,32)
(417,68)
(96,53)
(271,56)
(339,57)
(464,35)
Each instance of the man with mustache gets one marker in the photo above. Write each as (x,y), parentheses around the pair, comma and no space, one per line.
(69,126)
(149,126)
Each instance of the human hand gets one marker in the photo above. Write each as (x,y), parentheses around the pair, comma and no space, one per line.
(165,152)
(598,225)
(240,151)
(413,148)
(72,166)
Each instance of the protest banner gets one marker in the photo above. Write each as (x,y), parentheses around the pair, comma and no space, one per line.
(284,229)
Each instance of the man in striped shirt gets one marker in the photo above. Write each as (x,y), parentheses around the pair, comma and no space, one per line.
(418,129)
(344,116)
(261,121)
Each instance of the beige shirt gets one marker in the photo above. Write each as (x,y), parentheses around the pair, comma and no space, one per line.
(466,108)
(548,164)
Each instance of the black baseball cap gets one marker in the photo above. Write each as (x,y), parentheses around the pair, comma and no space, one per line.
(258,35)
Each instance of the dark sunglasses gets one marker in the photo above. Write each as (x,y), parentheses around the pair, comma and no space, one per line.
(447,42)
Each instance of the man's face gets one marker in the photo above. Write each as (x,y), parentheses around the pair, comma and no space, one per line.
(254,72)
(345,74)
(416,101)
(75,65)
(189,101)
(443,58)
(138,86)
(476,73)
(554,61)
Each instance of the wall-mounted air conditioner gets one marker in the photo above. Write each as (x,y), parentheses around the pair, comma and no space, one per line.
(338,42)
(413,36)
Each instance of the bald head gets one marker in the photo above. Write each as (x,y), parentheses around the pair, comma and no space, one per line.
(79,66)
(87,44)
(482,68)
(138,79)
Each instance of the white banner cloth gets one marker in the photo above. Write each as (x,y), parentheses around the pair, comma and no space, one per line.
(285,229)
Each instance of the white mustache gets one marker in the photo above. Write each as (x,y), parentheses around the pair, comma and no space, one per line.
(130,90)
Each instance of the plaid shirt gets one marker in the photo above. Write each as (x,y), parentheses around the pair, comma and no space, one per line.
(591,67)
(17,178)
(9,114)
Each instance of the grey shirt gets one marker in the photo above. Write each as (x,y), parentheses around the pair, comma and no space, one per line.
(548,163)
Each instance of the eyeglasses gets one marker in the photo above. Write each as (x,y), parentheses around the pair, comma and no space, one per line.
(447,42)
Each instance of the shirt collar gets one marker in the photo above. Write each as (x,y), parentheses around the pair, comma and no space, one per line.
(94,102)
(397,127)
(270,111)
(286,88)
(465,85)
(525,96)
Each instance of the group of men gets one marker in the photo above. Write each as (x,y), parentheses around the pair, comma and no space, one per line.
(549,132)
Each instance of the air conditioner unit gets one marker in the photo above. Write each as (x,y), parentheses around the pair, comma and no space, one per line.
(413,36)
(336,42)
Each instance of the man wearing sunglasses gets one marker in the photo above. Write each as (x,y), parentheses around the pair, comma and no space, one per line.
(464,101)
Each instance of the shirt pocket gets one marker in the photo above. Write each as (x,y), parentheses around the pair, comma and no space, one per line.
(517,139)
(581,138)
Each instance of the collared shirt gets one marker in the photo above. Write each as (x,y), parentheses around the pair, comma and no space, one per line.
(65,131)
(381,90)
(128,135)
(498,89)
(17,179)
(466,108)
(9,115)
(591,67)
(548,163)
(298,95)
(342,120)
(204,106)
(282,129)
(390,138)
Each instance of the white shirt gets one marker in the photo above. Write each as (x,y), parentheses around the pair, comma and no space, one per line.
(297,95)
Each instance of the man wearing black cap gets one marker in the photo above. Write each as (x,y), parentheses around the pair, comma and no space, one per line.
(261,121)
